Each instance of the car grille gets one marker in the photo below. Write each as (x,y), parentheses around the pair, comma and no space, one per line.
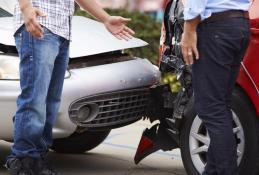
(115,108)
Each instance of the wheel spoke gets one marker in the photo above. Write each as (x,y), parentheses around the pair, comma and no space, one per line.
(201,149)
(239,153)
(236,130)
(199,142)
(201,138)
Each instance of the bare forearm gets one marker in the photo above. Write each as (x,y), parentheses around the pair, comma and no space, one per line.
(191,25)
(116,25)
(94,9)
(189,40)
(24,4)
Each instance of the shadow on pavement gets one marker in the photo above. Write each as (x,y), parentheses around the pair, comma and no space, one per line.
(94,164)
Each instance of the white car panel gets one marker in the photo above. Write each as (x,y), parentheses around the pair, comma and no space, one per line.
(89,37)
(6,31)
(8,5)
(83,82)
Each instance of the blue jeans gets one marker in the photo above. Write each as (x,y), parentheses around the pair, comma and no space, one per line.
(43,63)
(222,46)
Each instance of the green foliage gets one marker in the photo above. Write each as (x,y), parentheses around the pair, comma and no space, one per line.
(146,28)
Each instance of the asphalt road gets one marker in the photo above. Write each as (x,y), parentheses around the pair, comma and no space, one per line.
(113,157)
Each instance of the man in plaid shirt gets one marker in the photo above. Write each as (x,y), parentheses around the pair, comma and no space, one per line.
(42,40)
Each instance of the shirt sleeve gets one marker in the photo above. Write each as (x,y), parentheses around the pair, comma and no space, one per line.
(195,8)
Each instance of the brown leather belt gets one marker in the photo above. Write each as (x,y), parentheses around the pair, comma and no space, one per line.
(227,14)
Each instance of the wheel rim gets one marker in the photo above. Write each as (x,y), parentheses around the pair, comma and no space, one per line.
(199,142)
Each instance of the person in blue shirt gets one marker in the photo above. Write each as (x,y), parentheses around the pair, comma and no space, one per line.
(215,38)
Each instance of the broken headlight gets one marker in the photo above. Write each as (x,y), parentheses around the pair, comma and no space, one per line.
(9,68)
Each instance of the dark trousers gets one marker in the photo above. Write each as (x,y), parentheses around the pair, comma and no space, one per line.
(221,45)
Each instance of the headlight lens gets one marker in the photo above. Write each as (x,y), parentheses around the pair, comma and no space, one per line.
(9,68)
(67,74)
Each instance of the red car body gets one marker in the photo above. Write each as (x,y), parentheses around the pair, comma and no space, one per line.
(189,134)
(248,78)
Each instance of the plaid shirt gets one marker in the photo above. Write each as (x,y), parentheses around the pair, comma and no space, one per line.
(59,14)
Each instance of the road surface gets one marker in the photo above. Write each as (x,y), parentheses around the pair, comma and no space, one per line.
(113,157)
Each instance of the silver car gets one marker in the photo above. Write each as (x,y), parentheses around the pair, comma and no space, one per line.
(103,89)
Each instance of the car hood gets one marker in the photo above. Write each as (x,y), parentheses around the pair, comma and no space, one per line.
(89,37)
(8,5)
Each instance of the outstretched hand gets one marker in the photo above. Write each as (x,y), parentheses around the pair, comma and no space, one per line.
(117,25)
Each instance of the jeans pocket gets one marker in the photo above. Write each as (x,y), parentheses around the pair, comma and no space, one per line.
(48,34)
(228,34)
(46,31)
(228,44)
(245,43)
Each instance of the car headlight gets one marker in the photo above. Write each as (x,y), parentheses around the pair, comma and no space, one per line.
(9,68)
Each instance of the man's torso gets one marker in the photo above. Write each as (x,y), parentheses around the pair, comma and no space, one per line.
(205,8)
(58,19)
(223,5)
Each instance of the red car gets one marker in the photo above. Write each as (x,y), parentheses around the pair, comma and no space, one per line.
(180,127)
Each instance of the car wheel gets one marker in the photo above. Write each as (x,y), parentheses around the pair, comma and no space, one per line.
(80,142)
(195,140)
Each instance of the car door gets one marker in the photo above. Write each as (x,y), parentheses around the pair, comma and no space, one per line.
(249,73)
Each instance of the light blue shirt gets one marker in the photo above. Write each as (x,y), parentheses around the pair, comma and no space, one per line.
(204,8)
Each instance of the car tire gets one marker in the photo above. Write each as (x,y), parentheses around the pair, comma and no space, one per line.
(79,142)
(248,119)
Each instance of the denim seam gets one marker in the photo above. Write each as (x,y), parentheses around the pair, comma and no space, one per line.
(22,53)
(31,57)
